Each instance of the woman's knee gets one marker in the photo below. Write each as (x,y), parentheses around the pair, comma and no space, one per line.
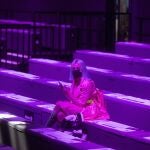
(60,116)
(59,104)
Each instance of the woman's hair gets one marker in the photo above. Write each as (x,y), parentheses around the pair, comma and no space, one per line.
(82,67)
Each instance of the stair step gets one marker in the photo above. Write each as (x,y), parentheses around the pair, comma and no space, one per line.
(8,137)
(98,130)
(115,62)
(69,142)
(118,104)
(133,49)
(104,78)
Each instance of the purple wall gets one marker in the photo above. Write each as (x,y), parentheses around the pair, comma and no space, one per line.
(50,5)
(105,24)
(140,8)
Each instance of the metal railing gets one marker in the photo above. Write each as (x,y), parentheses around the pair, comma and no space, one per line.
(143,31)
(57,35)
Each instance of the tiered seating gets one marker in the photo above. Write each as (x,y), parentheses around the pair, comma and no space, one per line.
(9,137)
(104,78)
(118,103)
(22,37)
(34,110)
(47,138)
(29,85)
(116,62)
(33,97)
(133,49)
(17,40)
(21,136)
(112,126)
(50,93)
(18,133)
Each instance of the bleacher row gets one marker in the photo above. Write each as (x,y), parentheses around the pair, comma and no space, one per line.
(18,36)
(19,40)
(27,100)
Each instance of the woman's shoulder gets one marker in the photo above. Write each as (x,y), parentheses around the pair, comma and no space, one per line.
(87,82)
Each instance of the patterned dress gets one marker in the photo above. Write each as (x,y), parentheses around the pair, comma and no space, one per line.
(84,98)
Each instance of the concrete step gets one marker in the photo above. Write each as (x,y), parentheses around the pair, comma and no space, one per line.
(121,136)
(116,62)
(104,78)
(116,135)
(28,85)
(48,137)
(133,49)
(8,136)
(19,127)
(47,90)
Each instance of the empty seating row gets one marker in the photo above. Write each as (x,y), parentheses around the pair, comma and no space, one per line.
(18,133)
(116,62)
(133,49)
(98,130)
(47,90)
(106,79)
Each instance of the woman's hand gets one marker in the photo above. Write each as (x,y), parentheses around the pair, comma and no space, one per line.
(61,85)
(66,91)
(64,88)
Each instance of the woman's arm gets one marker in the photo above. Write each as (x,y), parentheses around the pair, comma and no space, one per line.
(86,90)
(65,89)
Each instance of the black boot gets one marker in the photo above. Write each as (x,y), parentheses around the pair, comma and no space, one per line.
(79,128)
(78,122)
(63,125)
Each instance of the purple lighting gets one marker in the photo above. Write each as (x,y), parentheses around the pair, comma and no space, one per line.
(57,135)
(115,126)
(99,70)
(130,98)
(21,74)
(18,97)
(6,115)
(109,54)
(13,123)
(136,77)
(46,60)
(100,101)
(47,106)
(57,83)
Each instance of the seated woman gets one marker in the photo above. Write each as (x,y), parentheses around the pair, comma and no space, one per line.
(82,97)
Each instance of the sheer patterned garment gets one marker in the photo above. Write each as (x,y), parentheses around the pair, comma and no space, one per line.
(84,98)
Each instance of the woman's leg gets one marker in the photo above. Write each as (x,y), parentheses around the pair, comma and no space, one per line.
(51,119)
(56,115)
(61,110)
(60,116)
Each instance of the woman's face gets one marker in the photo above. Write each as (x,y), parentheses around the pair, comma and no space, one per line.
(76,71)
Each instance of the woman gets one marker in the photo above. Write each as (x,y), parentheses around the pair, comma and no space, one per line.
(82,97)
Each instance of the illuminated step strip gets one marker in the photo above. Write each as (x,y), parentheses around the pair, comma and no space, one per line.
(115,125)
(18,97)
(57,135)
(55,82)
(17,55)
(5,115)
(8,61)
(129,98)
(21,74)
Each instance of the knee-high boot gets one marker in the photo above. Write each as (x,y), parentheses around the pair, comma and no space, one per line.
(52,119)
